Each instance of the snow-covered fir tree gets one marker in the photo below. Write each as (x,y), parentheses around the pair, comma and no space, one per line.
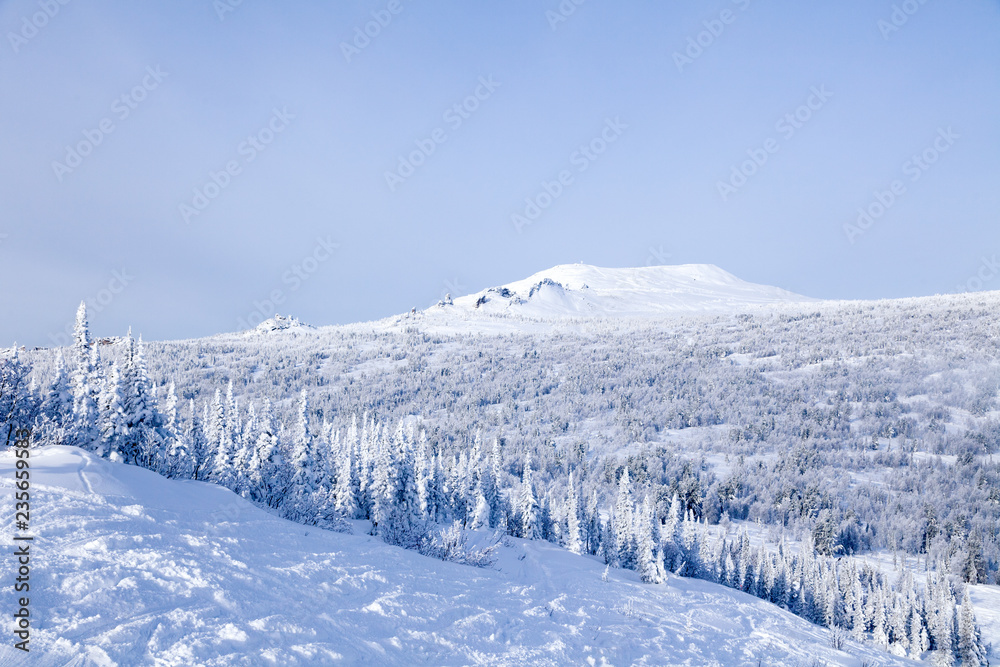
(85,385)
(624,530)
(220,444)
(112,426)
(574,532)
(57,418)
(527,505)
(646,556)
(970,642)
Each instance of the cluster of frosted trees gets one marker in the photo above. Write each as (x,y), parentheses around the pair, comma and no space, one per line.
(855,599)
(108,408)
(840,594)
(18,405)
(820,418)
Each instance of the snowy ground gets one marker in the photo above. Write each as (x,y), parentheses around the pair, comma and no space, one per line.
(133,569)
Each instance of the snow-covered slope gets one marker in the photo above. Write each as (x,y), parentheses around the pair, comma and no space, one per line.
(581,290)
(132,569)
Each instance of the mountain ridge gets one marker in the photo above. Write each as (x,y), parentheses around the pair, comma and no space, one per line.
(582,290)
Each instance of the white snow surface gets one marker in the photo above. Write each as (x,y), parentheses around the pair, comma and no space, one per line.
(129,568)
(581,290)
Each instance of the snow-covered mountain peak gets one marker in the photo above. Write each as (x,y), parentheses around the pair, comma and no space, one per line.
(583,276)
(582,290)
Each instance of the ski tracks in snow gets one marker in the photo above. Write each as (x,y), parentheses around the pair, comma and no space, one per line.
(81,473)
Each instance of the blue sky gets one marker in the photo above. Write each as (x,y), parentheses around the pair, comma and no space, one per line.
(152,230)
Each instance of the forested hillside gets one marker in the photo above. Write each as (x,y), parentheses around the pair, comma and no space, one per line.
(846,427)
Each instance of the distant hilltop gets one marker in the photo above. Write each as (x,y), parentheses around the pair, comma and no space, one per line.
(279,323)
(581,290)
